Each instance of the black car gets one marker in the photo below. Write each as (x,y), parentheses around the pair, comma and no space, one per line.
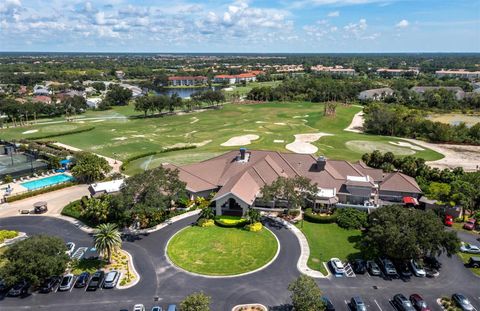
(19,289)
(82,280)
(402,303)
(432,262)
(387,267)
(96,280)
(359,266)
(404,269)
(474,262)
(49,284)
(328,304)
(373,268)
(3,286)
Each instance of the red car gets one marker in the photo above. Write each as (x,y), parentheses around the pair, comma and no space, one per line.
(418,303)
(470,224)
(448,220)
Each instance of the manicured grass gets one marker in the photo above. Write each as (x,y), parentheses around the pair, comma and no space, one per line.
(221,251)
(123,133)
(466,257)
(459,226)
(327,241)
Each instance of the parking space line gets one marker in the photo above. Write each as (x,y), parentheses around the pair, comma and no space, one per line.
(375,300)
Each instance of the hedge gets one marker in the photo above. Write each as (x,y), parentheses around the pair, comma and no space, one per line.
(230,221)
(309,216)
(203,222)
(39,191)
(255,227)
(7,234)
(81,130)
(151,153)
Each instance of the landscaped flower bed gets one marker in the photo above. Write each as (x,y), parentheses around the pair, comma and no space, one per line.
(250,307)
(230,221)
(7,235)
(448,304)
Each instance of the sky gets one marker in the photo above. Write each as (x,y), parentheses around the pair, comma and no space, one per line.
(240,26)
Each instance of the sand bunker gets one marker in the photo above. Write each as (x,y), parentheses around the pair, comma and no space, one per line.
(120,138)
(280,123)
(138,136)
(302,143)
(357,123)
(363,146)
(408,145)
(181,145)
(194,120)
(300,117)
(30,131)
(278,141)
(260,122)
(240,140)
(94,121)
(189,133)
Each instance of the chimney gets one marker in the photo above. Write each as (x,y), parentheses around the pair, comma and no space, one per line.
(321,161)
(242,153)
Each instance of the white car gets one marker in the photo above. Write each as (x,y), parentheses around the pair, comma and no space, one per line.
(139,307)
(469,248)
(70,247)
(337,266)
(417,269)
(111,279)
(67,282)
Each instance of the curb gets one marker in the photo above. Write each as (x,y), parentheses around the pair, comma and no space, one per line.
(304,250)
(19,237)
(221,276)
(134,272)
(167,222)
(250,304)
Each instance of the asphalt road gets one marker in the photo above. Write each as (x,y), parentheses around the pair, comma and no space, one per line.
(163,284)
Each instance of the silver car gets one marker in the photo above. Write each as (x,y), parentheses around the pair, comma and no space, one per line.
(111,279)
(469,248)
(67,282)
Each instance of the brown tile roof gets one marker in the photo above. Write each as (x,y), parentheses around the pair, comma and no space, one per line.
(399,182)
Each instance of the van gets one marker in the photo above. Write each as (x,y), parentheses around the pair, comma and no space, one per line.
(474,262)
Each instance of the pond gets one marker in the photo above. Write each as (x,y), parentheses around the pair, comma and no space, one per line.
(184,92)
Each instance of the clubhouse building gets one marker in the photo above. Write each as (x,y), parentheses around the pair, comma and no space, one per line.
(238,176)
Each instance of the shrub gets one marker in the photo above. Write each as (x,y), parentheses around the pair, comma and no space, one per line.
(204,222)
(255,227)
(311,217)
(7,179)
(294,212)
(351,218)
(230,221)
(7,234)
(39,191)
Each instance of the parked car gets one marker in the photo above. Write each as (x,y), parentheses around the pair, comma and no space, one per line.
(417,269)
(448,221)
(357,304)
(67,282)
(402,303)
(96,280)
(432,262)
(82,280)
(388,268)
(111,279)
(49,284)
(156,308)
(3,286)
(328,304)
(474,262)
(337,266)
(469,248)
(373,268)
(404,269)
(470,224)
(419,303)
(172,308)
(70,248)
(138,307)
(359,266)
(19,289)
(462,302)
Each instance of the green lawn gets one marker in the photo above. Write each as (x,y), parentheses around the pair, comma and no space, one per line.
(327,241)
(221,251)
(466,257)
(124,133)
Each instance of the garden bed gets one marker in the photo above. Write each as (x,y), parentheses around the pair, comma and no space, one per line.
(230,221)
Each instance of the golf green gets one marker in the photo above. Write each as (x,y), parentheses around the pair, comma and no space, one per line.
(218,251)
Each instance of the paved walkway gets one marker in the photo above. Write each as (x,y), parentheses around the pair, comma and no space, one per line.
(304,249)
(56,201)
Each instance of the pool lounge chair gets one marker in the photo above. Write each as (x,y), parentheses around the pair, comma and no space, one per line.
(21,178)
(35,175)
(14,181)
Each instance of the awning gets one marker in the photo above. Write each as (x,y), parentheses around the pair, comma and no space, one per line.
(65,161)
(327,201)
(410,200)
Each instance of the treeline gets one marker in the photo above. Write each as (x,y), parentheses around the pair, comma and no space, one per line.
(452,187)
(312,89)
(398,120)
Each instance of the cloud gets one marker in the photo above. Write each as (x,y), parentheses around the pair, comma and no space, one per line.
(334,14)
(308,3)
(402,24)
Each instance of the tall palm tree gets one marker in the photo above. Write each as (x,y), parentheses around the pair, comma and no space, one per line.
(107,239)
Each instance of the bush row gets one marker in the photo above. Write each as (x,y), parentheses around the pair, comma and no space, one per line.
(7,234)
(80,130)
(147,154)
(37,192)
(311,217)
(230,221)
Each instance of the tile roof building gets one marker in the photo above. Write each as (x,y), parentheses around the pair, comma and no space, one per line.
(337,70)
(375,94)
(187,80)
(460,73)
(456,90)
(238,176)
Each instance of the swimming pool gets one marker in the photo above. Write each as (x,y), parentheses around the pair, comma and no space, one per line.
(47,181)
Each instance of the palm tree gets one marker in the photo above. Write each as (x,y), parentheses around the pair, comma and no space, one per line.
(107,239)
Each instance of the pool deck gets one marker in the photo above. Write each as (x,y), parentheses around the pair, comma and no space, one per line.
(18,188)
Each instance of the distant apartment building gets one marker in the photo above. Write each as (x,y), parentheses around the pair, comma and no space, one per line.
(285,68)
(120,74)
(336,70)
(460,73)
(41,90)
(375,94)
(187,80)
(232,79)
(456,90)
(397,72)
